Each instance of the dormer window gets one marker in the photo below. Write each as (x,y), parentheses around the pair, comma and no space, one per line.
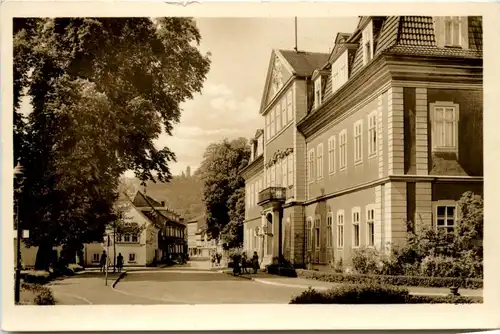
(452,31)
(317,92)
(367,43)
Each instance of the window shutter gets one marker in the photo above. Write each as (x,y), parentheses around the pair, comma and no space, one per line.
(439,31)
(464,32)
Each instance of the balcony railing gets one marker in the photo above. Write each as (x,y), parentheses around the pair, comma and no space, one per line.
(272,194)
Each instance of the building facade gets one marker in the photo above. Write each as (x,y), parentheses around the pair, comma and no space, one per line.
(200,246)
(384,130)
(153,233)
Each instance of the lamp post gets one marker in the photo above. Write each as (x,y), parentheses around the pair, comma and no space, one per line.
(18,170)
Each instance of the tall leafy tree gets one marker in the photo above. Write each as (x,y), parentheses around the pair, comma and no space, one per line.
(102,90)
(224,189)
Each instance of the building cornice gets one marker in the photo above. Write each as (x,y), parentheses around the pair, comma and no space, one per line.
(253,167)
(397,178)
(384,69)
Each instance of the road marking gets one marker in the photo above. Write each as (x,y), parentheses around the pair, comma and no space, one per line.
(170,271)
(74,296)
(289,285)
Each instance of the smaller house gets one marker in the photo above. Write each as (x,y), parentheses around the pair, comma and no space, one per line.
(199,243)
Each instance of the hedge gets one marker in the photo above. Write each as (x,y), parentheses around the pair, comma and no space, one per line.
(275,269)
(43,295)
(36,276)
(373,294)
(434,282)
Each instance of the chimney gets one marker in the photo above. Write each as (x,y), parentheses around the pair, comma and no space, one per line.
(162,204)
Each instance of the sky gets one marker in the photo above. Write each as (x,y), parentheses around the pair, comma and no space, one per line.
(228,106)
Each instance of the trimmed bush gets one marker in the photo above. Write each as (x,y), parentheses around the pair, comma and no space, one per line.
(75,267)
(443,300)
(42,294)
(354,294)
(374,294)
(434,282)
(36,276)
(276,269)
(44,297)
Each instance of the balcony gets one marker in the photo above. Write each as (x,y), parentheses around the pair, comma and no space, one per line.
(272,194)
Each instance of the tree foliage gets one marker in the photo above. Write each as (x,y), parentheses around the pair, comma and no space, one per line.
(224,189)
(101,90)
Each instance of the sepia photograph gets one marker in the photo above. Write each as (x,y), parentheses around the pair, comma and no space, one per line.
(177,160)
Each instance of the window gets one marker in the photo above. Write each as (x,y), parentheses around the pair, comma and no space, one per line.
(368,43)
(134,237)
(339,72)
(268,126)
(358,138)
(372,134)
(95,257)
(257,192)
(452,31)
(343,149)
(290,170)
(355,227)
(319,155)
(310,165)
(126,238)
(317,92)
(309,234)
(329,230)
(331,155)
(340,229)
(268,177)
(279,123)
(317,234)
(445,117)
(283,113)
(370,226)
(131,257)
(273,175)
(278,174)
(289,106)
(273,118)
(284,172)
(445,218)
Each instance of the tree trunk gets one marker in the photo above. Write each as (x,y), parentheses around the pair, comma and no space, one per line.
(44,257)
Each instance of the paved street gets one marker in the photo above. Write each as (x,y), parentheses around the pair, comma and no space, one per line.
(168,287)
(203,288)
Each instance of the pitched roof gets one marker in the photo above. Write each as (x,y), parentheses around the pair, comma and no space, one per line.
(304,63)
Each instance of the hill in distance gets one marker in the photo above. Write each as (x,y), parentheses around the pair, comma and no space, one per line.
(183,194)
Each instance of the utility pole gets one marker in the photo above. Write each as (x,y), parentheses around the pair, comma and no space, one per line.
(17,288)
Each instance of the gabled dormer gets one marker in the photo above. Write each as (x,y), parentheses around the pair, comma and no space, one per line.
(319,80)
(257,145)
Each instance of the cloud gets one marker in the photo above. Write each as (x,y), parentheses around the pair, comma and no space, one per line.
(216,114)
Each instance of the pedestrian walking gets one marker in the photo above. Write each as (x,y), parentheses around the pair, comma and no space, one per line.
(244,263)
(218,257)
(255,262)
(119,262)
(213,260)
(102,262)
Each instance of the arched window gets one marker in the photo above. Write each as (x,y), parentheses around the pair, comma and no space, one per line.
(329,229)
(317,232)
(309,233)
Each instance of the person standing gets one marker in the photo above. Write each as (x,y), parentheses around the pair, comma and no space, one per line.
(119,262)
(102,262)
(218,256)
(255,262)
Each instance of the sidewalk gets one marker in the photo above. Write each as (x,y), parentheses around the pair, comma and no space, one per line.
(303,283)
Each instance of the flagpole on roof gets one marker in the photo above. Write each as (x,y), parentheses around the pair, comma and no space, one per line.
(296,47)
